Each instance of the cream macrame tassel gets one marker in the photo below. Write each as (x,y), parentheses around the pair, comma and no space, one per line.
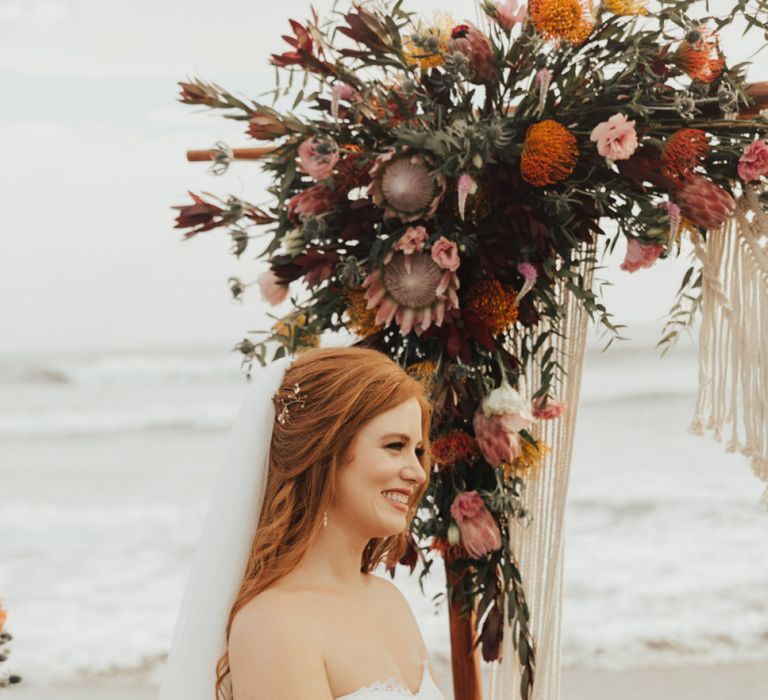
(538,548)
(733,339)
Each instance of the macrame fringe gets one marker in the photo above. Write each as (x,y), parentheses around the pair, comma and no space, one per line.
(539,547)
(732,399)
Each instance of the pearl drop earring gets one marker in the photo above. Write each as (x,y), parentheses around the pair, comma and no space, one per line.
(325,518)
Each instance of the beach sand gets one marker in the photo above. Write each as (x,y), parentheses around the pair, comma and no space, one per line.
(747,681)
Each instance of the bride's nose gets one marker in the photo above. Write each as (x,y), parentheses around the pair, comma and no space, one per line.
(414,470)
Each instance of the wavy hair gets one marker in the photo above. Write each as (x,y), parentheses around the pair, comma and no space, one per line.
(345,388)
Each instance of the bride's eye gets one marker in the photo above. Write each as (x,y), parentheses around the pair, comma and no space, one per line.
(419,452)
(395,445)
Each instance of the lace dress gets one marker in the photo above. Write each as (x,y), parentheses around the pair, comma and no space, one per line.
(391,689)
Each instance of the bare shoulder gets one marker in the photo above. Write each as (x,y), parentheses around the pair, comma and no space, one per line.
(398,607)
(271,655)
(392,593)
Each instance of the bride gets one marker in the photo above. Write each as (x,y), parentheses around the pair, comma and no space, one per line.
(281,603)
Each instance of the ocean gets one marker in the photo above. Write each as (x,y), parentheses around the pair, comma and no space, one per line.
(106,460)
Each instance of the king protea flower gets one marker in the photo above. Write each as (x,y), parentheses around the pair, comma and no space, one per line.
(498,420)
(704,203)
(412,290)
(405,187)
(480,534)
(476,46)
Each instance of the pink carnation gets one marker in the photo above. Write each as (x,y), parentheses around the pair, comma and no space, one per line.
(640,255)
(446,254)
(273,291)
(616,138)
(480,534)
(317,158)
(753,163)
(413,240)
(553,409)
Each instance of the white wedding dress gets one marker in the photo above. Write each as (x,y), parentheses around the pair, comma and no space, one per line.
(391,689)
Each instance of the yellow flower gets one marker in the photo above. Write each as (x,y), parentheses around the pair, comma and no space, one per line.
(562,20)
(361,321)
(626,7)
(531,457)
(427,46)
(287,327)
(424,372)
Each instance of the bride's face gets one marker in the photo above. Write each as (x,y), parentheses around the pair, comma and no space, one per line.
(384,458)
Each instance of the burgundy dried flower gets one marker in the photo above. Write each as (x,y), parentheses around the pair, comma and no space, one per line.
(313,201)
(476,46)
(704,203)
(200,216)
(266,127)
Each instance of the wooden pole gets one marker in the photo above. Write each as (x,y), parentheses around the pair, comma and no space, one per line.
(465,662)
(238,153)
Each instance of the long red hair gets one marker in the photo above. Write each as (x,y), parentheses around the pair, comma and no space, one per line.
(345,388)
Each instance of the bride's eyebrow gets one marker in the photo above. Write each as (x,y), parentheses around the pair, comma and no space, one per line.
(400,436)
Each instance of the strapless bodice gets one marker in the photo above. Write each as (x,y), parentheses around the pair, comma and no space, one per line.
(391,689)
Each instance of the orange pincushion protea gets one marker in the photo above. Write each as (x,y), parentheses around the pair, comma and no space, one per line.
(682,152)
(549,153)
(701,59)
(626,7)
(454,446)
(494,303)
(562,20)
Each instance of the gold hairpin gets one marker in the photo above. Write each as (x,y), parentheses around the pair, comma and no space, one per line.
(295,398)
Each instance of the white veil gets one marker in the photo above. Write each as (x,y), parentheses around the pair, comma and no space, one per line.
(222,552)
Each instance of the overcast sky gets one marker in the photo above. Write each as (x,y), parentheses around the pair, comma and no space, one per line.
(93,155)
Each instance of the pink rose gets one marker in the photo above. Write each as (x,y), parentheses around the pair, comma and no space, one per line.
(508,14)
(413,240)
(753,163)
(552,409)
(446,254)
(640,255)
(479,532)
(273,291)
(314,201)
(616,138)
(317,158)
